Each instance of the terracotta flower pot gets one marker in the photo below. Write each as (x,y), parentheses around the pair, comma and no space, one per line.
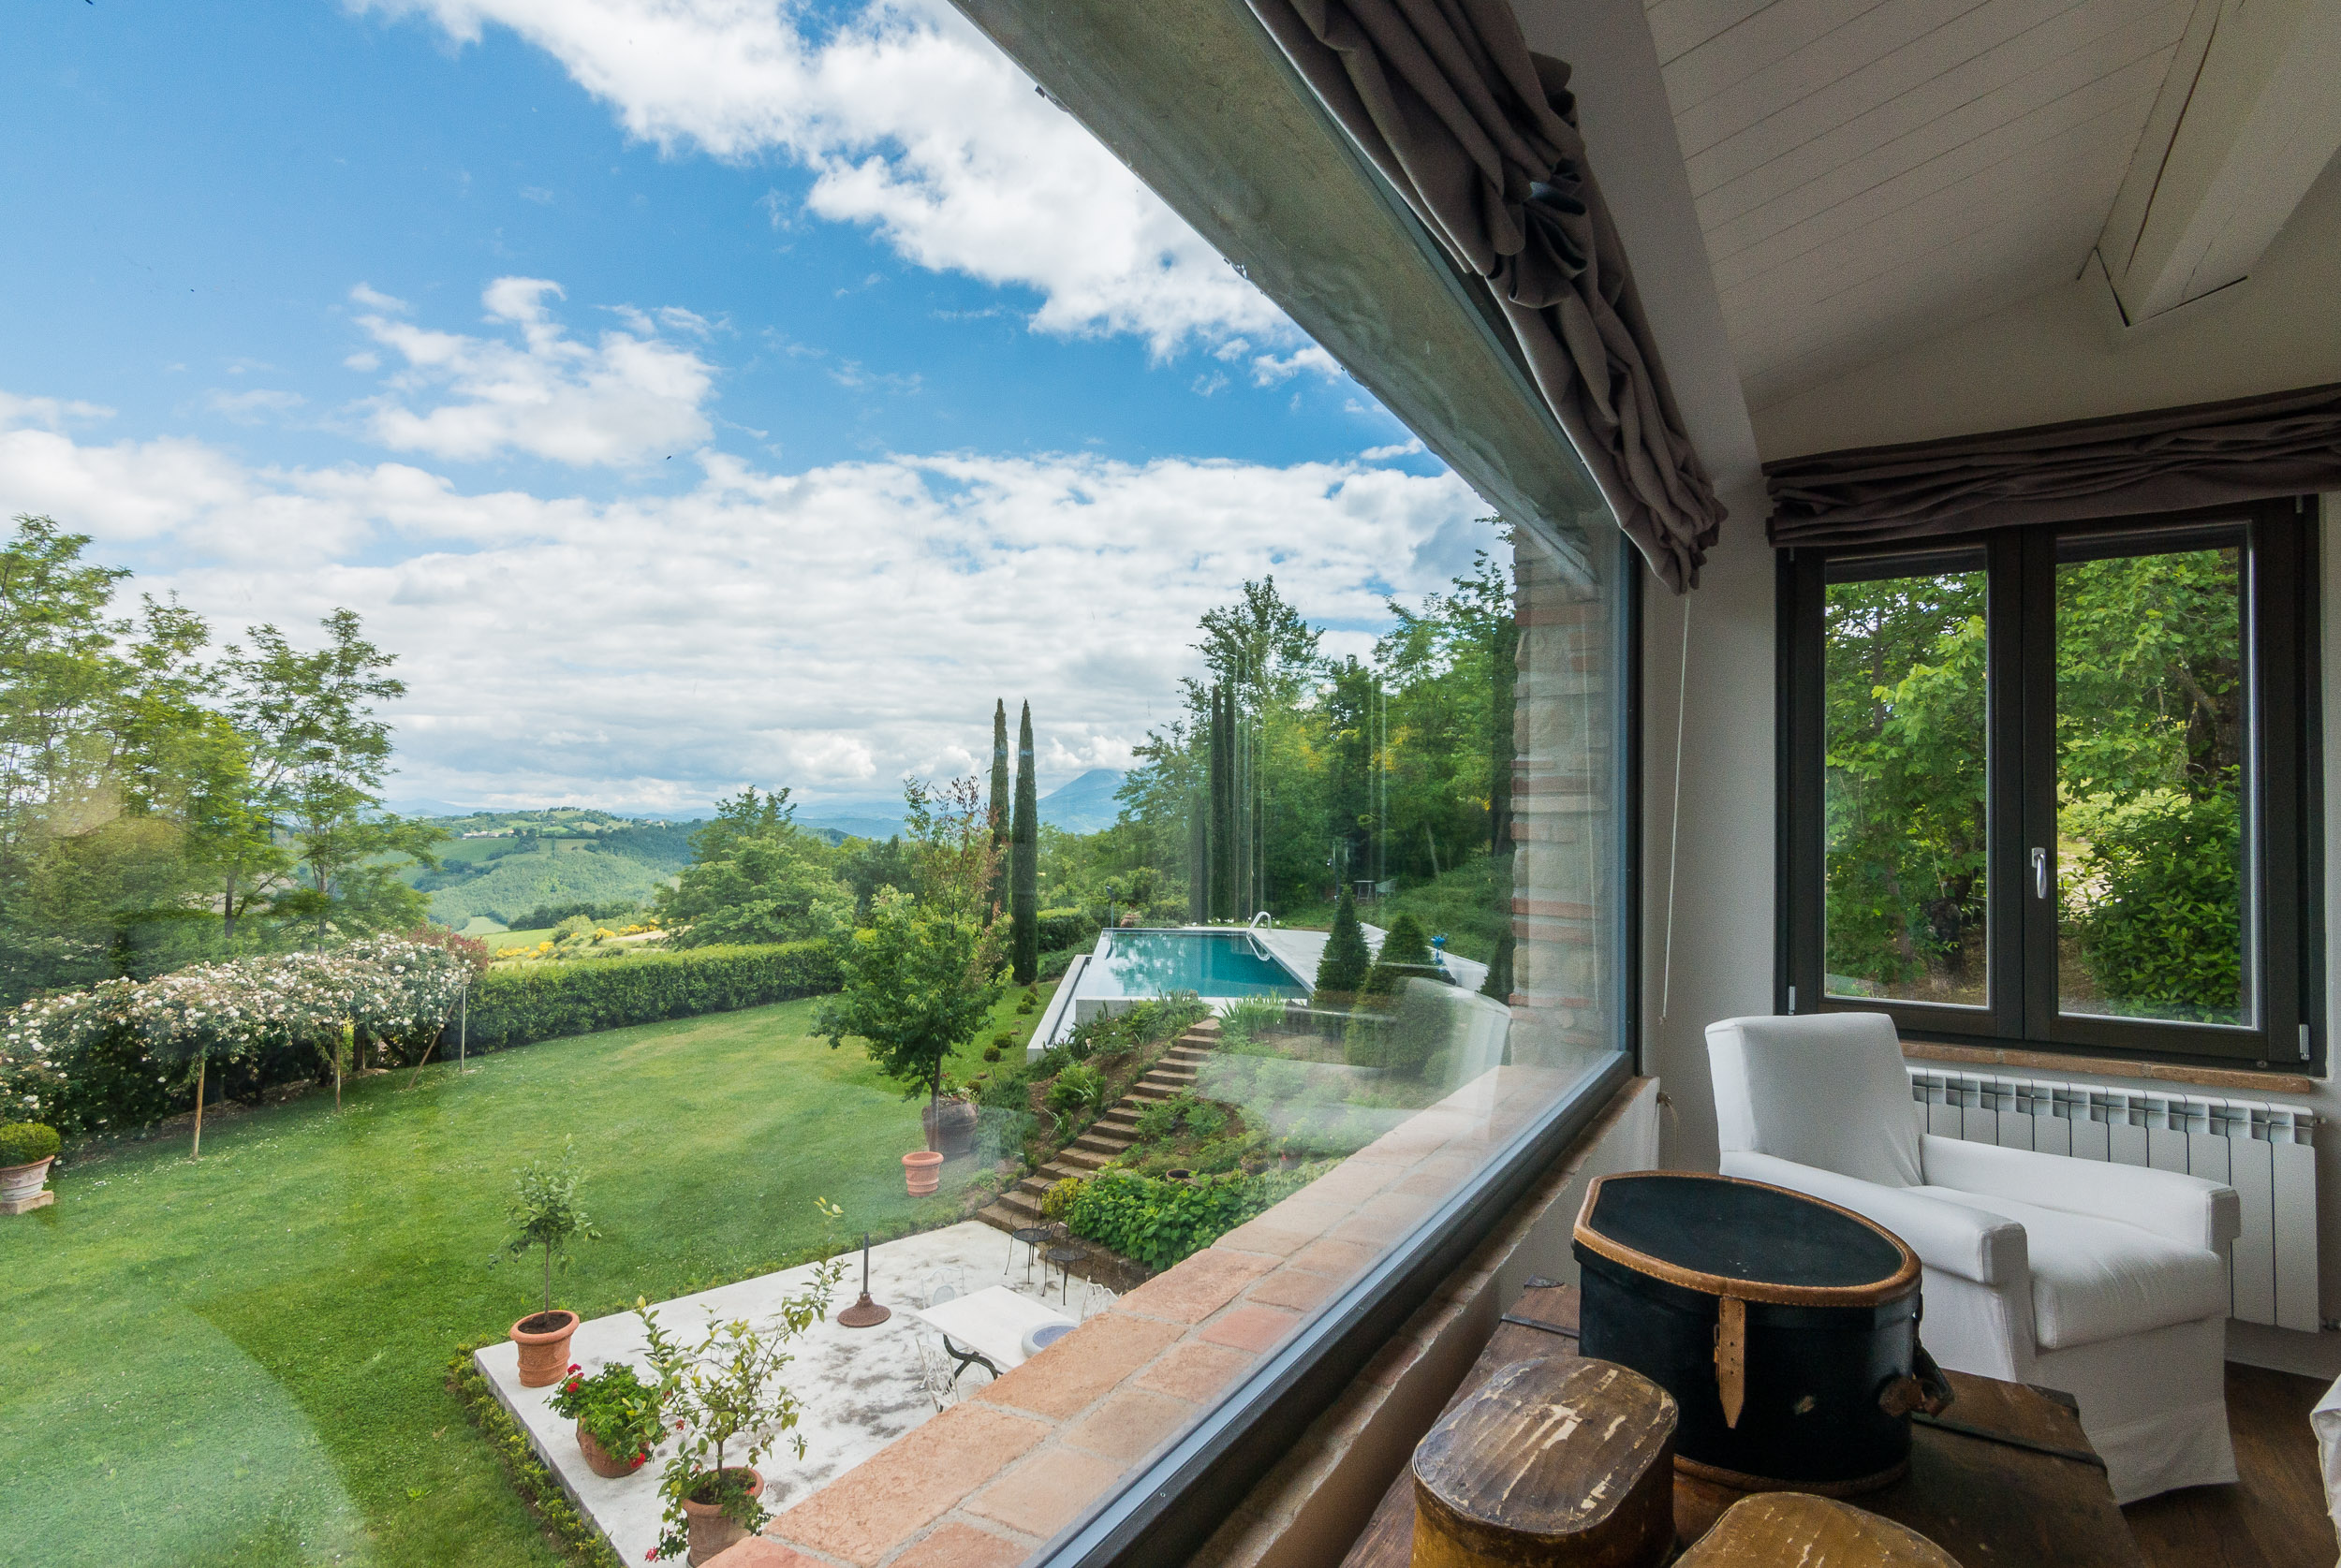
(601,1461)
(19,1182)
(544,1341)
(708,1531)
(923,1171)
(953,1131)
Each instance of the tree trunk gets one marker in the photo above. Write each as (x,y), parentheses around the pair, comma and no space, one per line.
(227,913)
(339,1047)
(548,1277)
(197,1152)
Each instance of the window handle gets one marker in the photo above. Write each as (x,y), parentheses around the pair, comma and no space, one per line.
(2039,872)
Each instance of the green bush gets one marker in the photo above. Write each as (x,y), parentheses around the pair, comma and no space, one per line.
(21,1143)
(514,1004)
(1157,1222)
(1065,928)
(2156,902)
(1080,1087)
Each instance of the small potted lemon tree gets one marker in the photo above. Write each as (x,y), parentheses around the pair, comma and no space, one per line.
(546,1217)
(729,1408)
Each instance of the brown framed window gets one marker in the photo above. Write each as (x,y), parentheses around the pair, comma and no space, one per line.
(2056,785)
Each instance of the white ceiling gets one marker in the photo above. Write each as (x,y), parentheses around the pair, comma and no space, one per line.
(1869,173)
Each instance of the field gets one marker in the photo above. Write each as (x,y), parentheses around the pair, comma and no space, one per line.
(240,1360)
(549,857)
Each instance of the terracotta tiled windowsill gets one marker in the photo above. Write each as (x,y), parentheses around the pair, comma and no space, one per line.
(990,1478)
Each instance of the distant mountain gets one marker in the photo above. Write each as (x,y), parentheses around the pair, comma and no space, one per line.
(1085,804)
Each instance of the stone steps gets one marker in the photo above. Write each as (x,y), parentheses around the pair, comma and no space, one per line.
(1112,1132)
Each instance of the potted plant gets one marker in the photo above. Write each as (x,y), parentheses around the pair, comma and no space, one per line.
(729,1409)
(949,1123)
(545,1215)
(617,1414)
(26,1148)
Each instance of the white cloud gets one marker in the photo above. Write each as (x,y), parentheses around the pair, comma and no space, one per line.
(47,412)
(912,123)
(374,298)
(828,629)
(629,396)
(1401,449)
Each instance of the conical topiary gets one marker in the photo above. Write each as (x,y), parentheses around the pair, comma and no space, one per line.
(1404,947)
(1343,968)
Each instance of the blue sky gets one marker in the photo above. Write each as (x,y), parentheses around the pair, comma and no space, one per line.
(693,393)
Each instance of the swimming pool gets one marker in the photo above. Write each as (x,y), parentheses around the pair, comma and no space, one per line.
(1216,965)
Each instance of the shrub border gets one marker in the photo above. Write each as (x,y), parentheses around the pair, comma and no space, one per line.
(569,1530)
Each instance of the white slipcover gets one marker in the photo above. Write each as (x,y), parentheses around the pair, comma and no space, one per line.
(2108,1281)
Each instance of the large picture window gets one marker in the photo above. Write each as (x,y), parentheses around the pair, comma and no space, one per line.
(2051,785)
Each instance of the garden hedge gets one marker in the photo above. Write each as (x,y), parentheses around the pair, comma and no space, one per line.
(514,1004)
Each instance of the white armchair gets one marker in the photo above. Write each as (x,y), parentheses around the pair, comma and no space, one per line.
(2108,1281)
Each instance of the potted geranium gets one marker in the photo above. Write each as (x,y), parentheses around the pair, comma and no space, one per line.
(545,1215)
(729,1408)
(618,1415)
(26,1149)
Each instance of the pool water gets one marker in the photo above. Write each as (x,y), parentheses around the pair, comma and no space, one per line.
(1212,964)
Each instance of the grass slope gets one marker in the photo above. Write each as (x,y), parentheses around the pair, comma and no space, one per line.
(553,871)
(239,1361)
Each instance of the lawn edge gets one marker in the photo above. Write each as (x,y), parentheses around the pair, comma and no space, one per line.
(565,1530)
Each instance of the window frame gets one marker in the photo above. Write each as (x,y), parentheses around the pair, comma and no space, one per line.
(2284,935)
(1163,1511)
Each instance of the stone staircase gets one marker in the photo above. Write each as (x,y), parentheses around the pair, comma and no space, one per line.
(1109,1134)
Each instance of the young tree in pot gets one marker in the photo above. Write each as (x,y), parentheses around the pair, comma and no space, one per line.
(920,977)
(730,1409)
(545,1215)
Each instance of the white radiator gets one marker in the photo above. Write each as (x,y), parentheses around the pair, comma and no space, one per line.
(2265,1152)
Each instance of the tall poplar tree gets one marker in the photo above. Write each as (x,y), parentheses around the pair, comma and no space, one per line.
(1024,863)
(1222,806)
(996,808)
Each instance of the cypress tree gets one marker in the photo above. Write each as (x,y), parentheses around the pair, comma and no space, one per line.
(996,808)
(1024,863)
(1341,970)
(1198,858)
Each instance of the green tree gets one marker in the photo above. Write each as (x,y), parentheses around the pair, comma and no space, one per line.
(1341,971)
(1405,949)
(919,983)
(755,876)
(996,806)
(1024,859)
(310,720)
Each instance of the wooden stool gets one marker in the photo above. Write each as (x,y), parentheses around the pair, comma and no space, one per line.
(1797,1529)
(1557,1461)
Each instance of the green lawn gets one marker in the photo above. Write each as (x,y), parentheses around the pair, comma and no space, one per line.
(240,1361)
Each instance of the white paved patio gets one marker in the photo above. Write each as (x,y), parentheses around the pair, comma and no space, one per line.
(860,1386)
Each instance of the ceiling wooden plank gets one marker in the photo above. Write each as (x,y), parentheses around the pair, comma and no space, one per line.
(2075,85)
(2003,159)
(1678,26)
(1982,49)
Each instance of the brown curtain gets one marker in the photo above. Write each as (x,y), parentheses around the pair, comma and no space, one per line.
(2205,455)
(1480,138)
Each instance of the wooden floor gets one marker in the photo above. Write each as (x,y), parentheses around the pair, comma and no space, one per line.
(2274,1516)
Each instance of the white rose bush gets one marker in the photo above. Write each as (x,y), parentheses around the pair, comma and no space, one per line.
(170,1025)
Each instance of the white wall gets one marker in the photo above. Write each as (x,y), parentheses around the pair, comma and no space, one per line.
(1720,917)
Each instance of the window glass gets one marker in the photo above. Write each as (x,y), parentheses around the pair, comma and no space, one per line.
(2152,748)
(1905,915)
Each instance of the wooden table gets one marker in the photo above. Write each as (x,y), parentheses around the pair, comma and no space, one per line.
(993,1322)
(1982,1501)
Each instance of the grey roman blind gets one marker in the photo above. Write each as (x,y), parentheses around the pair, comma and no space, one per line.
(2169,458)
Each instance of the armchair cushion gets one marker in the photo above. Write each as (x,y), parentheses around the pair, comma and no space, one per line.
(2096,1279)
(1824,1090)
(1950,1235)
(2171,1204)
